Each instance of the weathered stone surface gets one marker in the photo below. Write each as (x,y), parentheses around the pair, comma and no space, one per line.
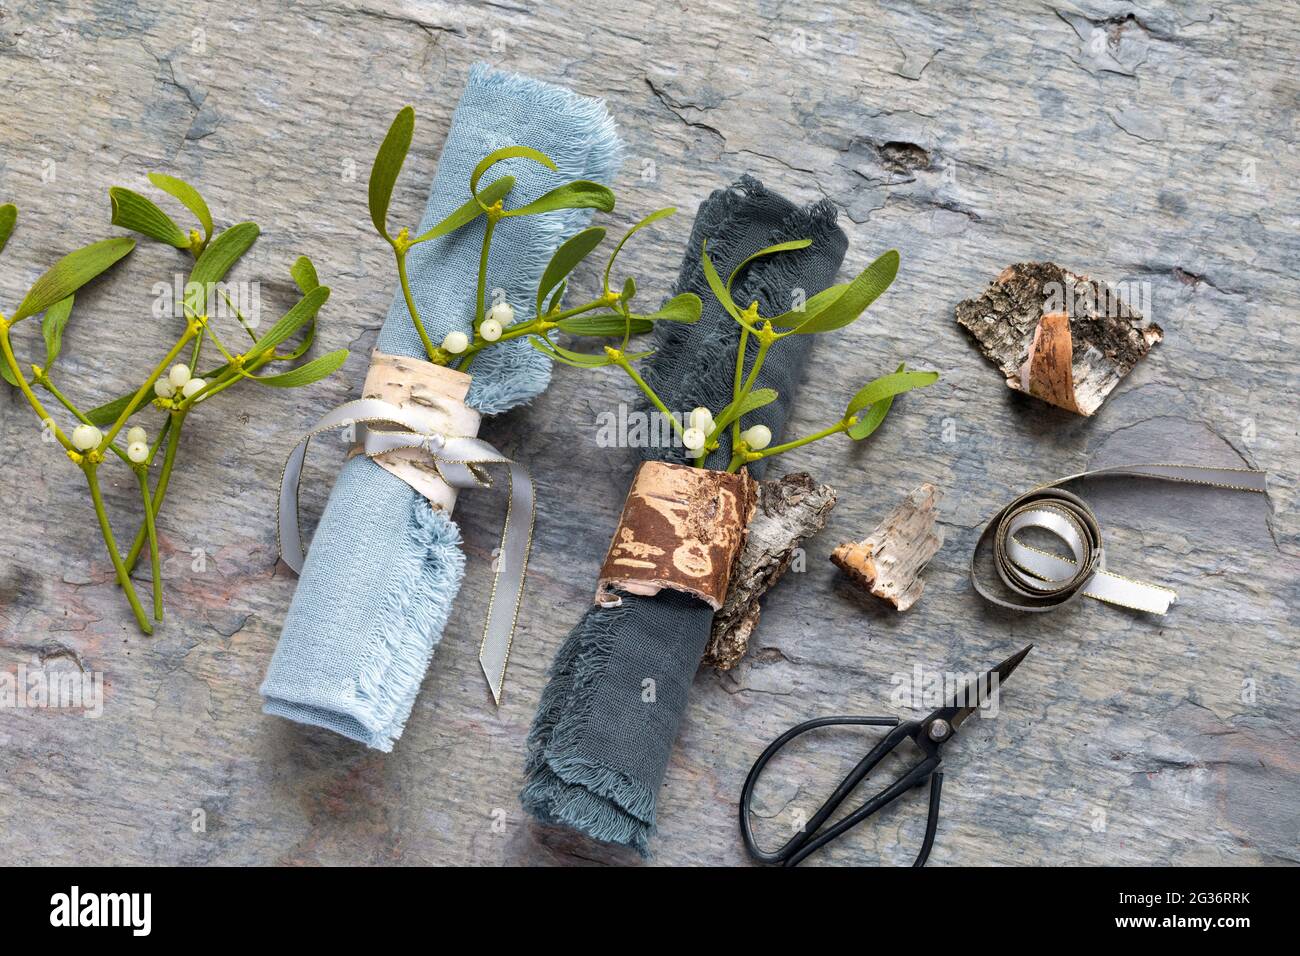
(1146,141)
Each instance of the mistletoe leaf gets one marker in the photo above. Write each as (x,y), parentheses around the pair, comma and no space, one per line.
(877,398)
(217,259)
(501,155)
(388,164)
(189,197)
(685,308)
(139,214)
(770,250)
(579,194)
(470,211)
(303,312)
(855,298)
(70,273)
(720,291)
(304,275)
(572,251)
(8,217)
(604,324)
(754,400)
(52,326)
(313,371)
(652,218)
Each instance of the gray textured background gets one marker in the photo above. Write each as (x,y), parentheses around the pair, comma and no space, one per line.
(1150,141)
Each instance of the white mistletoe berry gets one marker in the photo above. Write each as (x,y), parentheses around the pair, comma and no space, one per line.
(86,437)
(455,342)
(137,451)
(136,434)
(179,375)
(163,388)
(757,437)
(693,438)
(702,419)
(503,312)
(192,387)
(490,329)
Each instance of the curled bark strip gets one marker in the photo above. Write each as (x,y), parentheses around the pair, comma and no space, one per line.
(681,528)
(889,561)
(437,394)
(1059,336)
(1048,373)
(789,510)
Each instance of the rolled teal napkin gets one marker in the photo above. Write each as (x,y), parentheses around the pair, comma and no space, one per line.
(599,749)
(384,567)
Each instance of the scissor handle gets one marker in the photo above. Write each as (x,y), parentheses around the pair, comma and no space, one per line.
(808,840)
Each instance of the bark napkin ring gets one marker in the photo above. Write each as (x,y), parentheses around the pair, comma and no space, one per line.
(1044,580)
(457,461)
(681,528)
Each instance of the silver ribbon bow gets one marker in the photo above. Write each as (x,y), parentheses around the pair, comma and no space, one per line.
(1046,581)
(460,462)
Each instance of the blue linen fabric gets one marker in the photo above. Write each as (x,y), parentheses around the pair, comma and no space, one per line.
(384,566)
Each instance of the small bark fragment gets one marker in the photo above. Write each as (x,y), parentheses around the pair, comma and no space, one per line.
(889,561)
(789,510)
(681,528)
(437,394)
(1061,337)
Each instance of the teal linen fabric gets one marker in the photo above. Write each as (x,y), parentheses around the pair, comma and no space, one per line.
(599,749)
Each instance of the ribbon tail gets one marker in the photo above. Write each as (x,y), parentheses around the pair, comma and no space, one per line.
(1125,592)
(511,566)
(292,552)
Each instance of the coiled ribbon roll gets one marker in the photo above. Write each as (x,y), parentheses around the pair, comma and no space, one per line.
(1045,581)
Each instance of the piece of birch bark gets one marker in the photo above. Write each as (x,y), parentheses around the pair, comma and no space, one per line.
(889,561)
(681,528)
(1061,337)
(789,510)
(437,394)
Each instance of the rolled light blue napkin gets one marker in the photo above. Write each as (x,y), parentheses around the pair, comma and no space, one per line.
(384,566)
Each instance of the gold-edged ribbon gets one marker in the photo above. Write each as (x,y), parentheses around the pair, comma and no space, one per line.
(1044,581)
(461,462)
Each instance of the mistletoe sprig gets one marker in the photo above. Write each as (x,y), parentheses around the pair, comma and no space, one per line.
(175,385)
(497,323)
(828,311)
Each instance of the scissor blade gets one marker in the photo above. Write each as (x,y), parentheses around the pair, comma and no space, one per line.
(968,699)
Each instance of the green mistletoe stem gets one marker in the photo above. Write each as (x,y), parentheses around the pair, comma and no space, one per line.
(43,380)
(90,467)
(21,379)
(619,359)
(480,302)
(400,247)
(142,476)
(735,389)
(743,456)
(174,423)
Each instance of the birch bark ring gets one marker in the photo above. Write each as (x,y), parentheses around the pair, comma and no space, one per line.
(681,529)
(437,395)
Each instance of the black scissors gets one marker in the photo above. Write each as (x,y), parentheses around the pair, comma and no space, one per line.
(929,735)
